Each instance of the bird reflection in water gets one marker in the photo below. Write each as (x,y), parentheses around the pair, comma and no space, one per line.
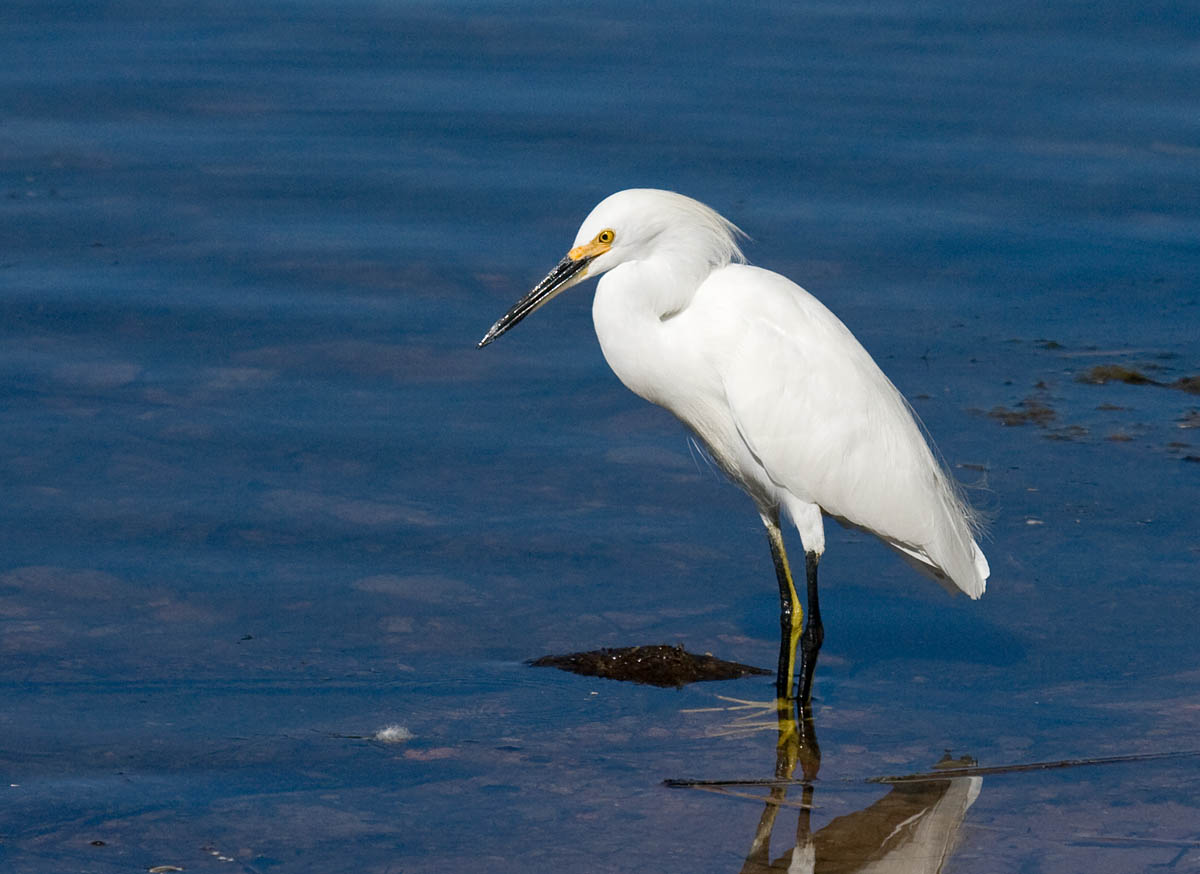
(911,830)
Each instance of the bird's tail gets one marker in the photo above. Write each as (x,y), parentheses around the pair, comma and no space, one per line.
(973,583)
(953,560)
(952,555)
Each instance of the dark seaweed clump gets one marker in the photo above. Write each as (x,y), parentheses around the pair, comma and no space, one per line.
(653,665)
(1102,374)
(1027,412)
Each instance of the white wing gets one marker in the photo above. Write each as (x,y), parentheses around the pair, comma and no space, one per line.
(829,427)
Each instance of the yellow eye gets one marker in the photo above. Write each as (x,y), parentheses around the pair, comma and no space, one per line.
(606,236)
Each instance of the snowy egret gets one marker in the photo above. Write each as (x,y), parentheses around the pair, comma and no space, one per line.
(784,398)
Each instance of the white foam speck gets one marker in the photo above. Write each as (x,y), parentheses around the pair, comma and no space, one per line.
(393,734)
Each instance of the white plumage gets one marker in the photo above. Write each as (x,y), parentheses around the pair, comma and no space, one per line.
(783,396)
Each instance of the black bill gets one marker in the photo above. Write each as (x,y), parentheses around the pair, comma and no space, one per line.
(555,281)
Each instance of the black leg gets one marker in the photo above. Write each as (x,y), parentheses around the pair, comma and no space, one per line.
(787,651)
(814,633)
(790,612)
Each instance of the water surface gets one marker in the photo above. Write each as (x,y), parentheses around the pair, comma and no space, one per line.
(263,498)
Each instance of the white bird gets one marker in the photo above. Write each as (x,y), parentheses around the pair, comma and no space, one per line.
(781,394)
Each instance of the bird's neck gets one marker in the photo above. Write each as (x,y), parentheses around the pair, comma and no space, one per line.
(658,288)
(634,305)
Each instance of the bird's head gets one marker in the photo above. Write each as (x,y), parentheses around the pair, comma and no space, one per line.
(634,225)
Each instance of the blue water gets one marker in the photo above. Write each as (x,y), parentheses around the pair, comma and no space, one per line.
(263,497)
